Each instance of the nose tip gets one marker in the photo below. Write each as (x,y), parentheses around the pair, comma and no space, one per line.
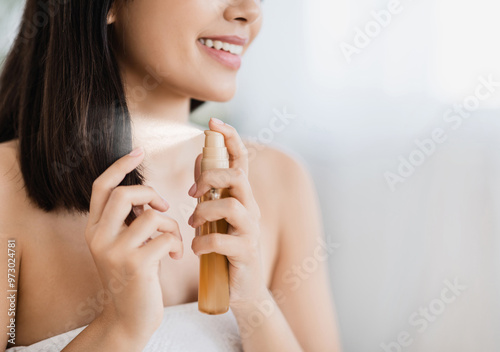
(243,10)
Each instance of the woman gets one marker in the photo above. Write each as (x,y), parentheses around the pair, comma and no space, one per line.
(85,83)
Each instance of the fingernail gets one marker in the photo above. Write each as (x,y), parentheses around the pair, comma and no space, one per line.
(217,121)
(136,152)
(166,203)
(190,220)
(192,190)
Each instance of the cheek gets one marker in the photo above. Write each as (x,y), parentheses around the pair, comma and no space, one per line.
(157,40)
(162,37)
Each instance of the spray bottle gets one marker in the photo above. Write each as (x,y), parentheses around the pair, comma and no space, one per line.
(213,289)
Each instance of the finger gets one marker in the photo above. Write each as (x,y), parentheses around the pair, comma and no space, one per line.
(108,180)
(229,209)
(197,166)
(233,247)
(159,246)
(233,179)
(138,210)
(238,153)
(121,201)
(145,225)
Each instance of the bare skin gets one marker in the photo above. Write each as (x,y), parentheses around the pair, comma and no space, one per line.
(56,259)
(58,280)
(58,274)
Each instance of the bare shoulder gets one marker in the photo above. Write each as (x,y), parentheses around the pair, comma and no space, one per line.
(276,164)
(10,175)
(278,179)
(12,194)
(282,181)
(276,174)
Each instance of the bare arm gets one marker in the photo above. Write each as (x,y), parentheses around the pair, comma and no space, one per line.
(263,327)
(103,334)
(300,281)
(300,312)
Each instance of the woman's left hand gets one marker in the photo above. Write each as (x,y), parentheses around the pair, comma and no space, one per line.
(240,210)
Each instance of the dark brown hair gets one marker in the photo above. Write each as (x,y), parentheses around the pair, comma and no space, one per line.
(62,95)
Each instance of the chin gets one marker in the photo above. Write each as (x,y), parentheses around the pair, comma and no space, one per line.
(220,93)
(226,96)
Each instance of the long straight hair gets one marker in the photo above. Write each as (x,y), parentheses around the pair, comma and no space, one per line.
(62,95)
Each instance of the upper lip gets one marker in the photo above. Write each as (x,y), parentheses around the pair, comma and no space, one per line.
(231,39)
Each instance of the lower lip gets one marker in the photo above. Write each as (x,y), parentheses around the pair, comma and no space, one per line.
(225,58)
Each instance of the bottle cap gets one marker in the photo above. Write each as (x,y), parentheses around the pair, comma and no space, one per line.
(215,153)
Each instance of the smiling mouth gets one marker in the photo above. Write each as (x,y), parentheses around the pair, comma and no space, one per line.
(220,45)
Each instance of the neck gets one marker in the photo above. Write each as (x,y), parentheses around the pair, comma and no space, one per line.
(160,124)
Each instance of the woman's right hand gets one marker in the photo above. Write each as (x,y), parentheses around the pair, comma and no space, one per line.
(136,304)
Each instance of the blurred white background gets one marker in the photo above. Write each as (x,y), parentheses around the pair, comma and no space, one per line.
(356,122)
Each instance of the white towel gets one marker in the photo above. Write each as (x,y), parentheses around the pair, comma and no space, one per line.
(183,328)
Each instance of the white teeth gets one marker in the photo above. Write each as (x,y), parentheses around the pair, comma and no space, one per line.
(217,44)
